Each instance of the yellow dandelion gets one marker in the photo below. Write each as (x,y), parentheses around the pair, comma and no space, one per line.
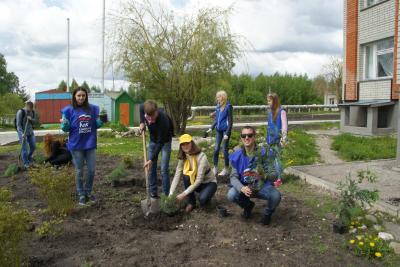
(361,244)
(352,223)
(352,241)
(372,244)
(378,254)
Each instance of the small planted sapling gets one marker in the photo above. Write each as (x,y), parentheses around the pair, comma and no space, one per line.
(169,204)
(353,200)
(11,170)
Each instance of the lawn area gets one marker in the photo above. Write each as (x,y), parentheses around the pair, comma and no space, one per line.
(301,149)
(352,147)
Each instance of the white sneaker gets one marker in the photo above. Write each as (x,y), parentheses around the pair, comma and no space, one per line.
(215,171)
(224,172)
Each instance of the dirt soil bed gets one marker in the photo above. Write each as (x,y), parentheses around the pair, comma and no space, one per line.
(113,232)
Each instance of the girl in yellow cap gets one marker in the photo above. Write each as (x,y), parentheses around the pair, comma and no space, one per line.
(197,175)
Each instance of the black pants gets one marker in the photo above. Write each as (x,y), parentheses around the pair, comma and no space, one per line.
(60,159)
(206,191)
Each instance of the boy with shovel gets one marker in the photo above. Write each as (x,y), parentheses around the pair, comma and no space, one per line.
(24,121)
(161,132)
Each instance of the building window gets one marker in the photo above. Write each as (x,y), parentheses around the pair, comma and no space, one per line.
(379,59)
(331,101)
(368,3)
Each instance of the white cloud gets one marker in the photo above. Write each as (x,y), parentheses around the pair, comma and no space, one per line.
(286,36)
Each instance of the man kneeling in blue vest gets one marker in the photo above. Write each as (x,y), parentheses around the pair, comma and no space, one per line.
(250,178)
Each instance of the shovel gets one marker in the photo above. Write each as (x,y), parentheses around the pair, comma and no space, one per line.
(150,204)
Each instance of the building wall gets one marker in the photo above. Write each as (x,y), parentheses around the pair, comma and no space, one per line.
(376,22)
(378,89)
(344,48)
(49,105)
(104,102)
(351,50)
(50,109)
(396,82)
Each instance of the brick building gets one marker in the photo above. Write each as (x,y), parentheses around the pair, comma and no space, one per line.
(371,74)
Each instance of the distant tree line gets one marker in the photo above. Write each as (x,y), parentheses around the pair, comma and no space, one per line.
(62,86)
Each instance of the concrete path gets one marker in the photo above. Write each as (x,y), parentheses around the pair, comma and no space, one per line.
(324,141)
(328,175)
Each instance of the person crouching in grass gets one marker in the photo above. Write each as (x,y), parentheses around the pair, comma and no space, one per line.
(244,166)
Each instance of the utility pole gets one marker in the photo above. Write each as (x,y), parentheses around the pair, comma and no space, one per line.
(102,50)
(67,54)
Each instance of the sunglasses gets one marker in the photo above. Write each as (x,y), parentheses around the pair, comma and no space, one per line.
(247,135)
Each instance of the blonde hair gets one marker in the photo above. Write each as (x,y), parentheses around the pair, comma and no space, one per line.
(223,94)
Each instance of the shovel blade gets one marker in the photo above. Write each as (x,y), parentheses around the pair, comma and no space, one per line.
(150,205)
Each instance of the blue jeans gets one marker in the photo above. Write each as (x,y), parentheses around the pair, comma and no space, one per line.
(79,157)
(206,191)
(165,155)
(30,141)
(218,139)
(268,192)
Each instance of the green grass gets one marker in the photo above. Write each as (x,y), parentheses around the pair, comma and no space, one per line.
(301,149)
(321,203)
(352,147)
(9,148)
(131,146)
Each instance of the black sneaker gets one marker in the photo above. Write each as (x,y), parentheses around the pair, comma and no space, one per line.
(247,211)
(266,219)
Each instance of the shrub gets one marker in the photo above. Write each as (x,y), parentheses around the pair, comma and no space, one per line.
(11,170)
(50,228)
(352,196)
(39,158)
(118,127)
(128,161)
(56,188)
(13,226)
(117,173)
(168,204)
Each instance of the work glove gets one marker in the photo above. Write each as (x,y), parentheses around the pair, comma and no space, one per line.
(226,137)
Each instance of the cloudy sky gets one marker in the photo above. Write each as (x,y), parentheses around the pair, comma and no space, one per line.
(295,36)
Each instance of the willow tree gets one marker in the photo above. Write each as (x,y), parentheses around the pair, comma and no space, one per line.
(175,58)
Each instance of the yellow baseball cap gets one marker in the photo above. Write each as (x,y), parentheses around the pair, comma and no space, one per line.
(186,138)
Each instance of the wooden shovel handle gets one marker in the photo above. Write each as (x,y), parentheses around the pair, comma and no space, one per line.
(146,170)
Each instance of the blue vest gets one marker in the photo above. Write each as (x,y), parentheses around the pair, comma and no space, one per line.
(83,128)
(274,128)
(222,117)
(240,161)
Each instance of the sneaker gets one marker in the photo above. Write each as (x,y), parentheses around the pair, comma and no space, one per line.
(82,201)
(266,219)
(91,199)
(224,172)
(247,211)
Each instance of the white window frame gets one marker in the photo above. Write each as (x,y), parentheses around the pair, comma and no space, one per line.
(375,53)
